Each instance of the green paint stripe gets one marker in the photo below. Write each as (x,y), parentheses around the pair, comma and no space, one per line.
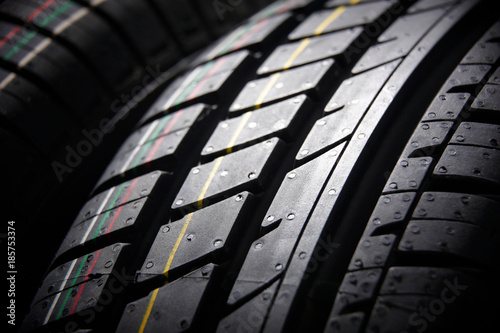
(144,149)
(159,128)
(18,46)
(150,139)
(32,34)
(109,210)
(247,28)
(272,10)
(71,287)
(194,83)
(54,15)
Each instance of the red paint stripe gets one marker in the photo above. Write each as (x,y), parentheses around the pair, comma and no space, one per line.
(30,18)
(256,28)
(99,252)
(159,141)
(83,284)
(10,35)
(39,10)
(204,80)
(286,6)
(120,208)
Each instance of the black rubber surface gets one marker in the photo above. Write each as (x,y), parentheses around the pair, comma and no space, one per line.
(328,166)
(68,68)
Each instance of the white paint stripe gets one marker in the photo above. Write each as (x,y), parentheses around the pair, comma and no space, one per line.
(39,48)
(46,42)
(54,302)
(95,3)
(94,220)
(183,86)
(138,148)
(7,80)
(70,20)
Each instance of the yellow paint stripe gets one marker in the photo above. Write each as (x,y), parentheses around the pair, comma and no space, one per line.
(296,53)
(237,133)
(179,239)
(266,90)
(319,30)
(148,311)
(332,17)
(176,246)
(209,180)
(244,120)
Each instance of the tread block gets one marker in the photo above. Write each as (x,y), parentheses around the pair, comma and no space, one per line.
(488,99)
(158,145)
(294,189)
(359,91)
(282,85)
(422,5)
(280,119)
(399,39)
(351,322)
(173,307)
(172,122)
(288,213)
(372,252)
(426,138)
(356,287)
(460,207)
(465,77)
(311,50)
(471,162)
(391,313)
(448,237)
(344,17)
(348,107)
(448,107)
(487,51)
(204,80)
(161,153)
(250,315)
(253,32)
(77,286)
(74,272)
(121,194)
(128,218)
(408,174)
(337,3)
(420,280)
(390,209)
(495,77)
(204,235)
(477,134)
(247,169)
